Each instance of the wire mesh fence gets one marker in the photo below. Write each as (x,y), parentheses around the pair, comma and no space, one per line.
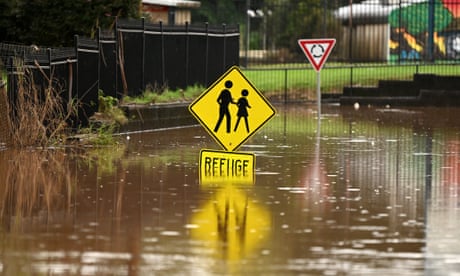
(368,31)
(376,40)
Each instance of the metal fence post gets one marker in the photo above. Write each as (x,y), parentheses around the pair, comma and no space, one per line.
(117,46)
(98,41)
(430,31)
(224,29)
(163,67)
(143,55)
(12,85)
(50,81)
(351,80)
(187,53)
(207,56)
(77,79)
(285,85)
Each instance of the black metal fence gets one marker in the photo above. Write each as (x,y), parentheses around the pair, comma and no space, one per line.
(376,40)
(124,62)
(159,56)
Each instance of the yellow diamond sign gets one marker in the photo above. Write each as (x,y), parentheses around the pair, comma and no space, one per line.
(232,109)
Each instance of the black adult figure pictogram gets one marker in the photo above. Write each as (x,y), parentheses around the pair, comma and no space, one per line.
(243,106)
(224,99)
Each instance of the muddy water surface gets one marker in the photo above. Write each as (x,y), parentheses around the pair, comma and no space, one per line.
(364,192)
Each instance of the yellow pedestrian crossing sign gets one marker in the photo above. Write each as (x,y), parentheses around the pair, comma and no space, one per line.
(232,109)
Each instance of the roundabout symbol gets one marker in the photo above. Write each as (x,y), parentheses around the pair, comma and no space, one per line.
(317,50)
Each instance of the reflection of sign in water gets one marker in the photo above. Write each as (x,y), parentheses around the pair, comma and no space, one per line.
(232,109)
(224,167)
(233,224)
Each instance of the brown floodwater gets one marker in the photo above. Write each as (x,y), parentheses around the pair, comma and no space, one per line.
(373,191)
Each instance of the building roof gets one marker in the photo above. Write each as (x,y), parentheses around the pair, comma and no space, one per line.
(372,9)
(173,3)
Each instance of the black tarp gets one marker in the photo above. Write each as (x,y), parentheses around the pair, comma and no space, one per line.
(87,78)
(108,64)
(135,56)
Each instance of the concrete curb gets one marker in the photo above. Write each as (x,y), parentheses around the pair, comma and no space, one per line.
(157,116)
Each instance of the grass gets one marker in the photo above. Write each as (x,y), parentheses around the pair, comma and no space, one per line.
(155,96)
(300,80)
(336,76)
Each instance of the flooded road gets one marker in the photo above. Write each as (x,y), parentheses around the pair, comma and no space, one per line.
(365,192)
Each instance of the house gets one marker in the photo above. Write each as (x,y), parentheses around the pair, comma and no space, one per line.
(173,12)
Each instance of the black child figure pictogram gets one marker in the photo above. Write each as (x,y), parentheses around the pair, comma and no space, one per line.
(224,99)
(243,106)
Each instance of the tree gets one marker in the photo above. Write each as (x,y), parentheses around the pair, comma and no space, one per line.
(220,11)
(281,23)
(8,26)
(299,19)
(55,22)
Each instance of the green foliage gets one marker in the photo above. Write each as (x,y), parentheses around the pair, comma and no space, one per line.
(282,24)
(106,103)
(220,11)
(104,136)
(152,96)
(302,19)
(109,112)
(7,20)
(103,123)
(97,134)
(55,22)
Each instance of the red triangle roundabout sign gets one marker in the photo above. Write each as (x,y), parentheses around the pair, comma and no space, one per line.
(317,50)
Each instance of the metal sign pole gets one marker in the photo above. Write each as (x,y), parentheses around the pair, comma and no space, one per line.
(318,92)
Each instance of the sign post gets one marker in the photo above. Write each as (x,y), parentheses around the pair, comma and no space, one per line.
(231,110)
(317,52)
